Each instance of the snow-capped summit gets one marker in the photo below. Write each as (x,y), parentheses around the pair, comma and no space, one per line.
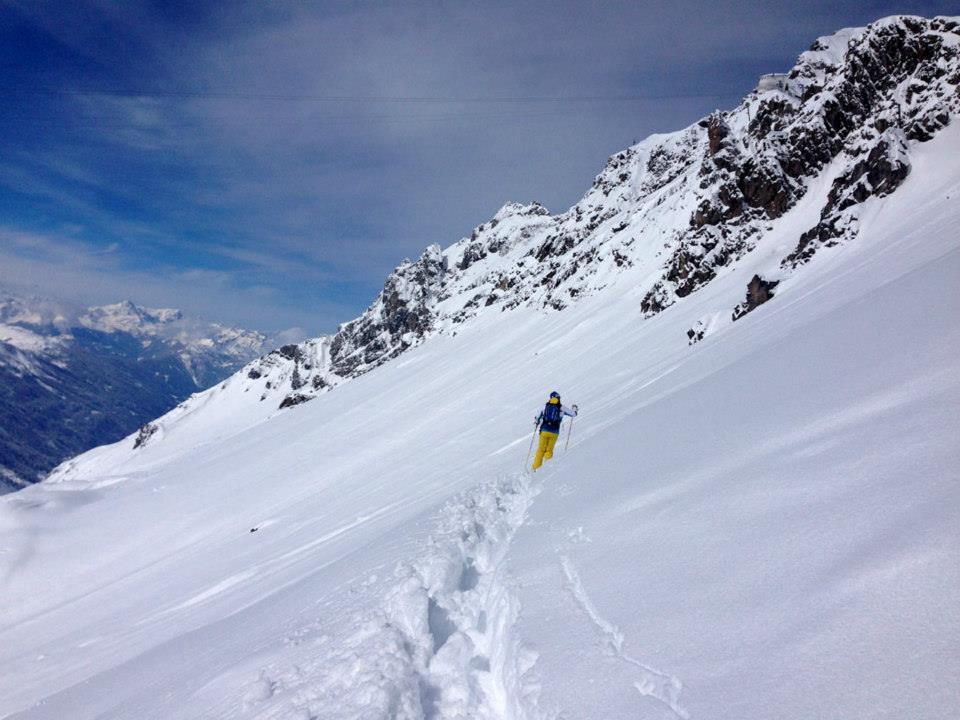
(74,380)
(127,317)
(205,348)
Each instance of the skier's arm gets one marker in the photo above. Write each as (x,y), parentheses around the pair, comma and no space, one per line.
(569,412)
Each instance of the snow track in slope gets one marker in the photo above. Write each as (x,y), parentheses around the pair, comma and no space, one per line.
(653,683)
(441,645)
(457,614)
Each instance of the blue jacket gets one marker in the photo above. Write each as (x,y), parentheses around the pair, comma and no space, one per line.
(553,427)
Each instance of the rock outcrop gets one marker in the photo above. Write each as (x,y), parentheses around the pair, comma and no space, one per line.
(759,291)
(856,99)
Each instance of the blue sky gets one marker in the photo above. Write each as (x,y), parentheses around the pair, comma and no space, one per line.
(266,164)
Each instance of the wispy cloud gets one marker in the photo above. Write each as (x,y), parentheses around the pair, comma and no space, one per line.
(65,268)
(293,153)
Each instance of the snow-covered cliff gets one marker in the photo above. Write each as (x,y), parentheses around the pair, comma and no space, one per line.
(801,159)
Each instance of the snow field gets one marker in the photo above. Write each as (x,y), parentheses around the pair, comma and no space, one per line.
(789,556)
(438,643)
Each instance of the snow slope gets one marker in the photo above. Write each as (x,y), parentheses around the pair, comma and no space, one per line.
(761,524)
(764,524)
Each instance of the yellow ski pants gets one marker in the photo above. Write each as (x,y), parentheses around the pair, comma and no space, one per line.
(545,448)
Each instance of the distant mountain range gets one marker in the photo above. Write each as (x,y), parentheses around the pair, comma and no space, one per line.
(70,381)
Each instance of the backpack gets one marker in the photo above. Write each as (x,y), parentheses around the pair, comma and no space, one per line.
(552,414)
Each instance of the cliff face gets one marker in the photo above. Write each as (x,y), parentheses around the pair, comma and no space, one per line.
(854,101)
(673,211)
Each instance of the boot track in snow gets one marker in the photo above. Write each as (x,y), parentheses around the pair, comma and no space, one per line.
(442,643)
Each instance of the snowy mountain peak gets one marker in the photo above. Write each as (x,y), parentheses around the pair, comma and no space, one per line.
(850,106)
(511,209)
(796,165)
(194,339)
(102,372)
(124,316)
(827,52)
(32,311)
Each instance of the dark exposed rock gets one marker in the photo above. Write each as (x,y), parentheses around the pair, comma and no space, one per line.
(471,255)
(738,189)
(881,172)
(296,381)
(764,188)
(759,291)
(401,316)
(295,399)
(717,130)
(146,432)
(288,351)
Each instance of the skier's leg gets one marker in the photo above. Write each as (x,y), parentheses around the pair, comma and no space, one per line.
(541,448)
(548,449)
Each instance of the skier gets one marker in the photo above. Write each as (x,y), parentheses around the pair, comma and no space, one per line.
(549,423)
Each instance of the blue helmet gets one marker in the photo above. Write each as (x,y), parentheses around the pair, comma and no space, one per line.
(555,394)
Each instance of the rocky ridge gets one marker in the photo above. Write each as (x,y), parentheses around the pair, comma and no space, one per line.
(855,100)
(673,211)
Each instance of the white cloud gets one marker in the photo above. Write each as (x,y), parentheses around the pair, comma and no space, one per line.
(64,268)
(236,149)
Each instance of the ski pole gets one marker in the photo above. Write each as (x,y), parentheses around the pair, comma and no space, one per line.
(526,463)
(570,429)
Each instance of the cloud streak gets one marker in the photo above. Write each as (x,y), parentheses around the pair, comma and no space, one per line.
(289,155)
(84,275)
